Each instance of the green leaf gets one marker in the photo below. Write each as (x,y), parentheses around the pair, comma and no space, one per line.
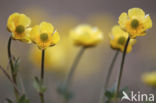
(126,89)
(23,99)
(108,94)
(16,64)
(38,85)
(64,91)
(9,100)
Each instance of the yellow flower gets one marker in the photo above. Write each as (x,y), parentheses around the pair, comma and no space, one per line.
(136,23)
(118,39)
(18,25)
(86,35)
(149,78)
(44,35)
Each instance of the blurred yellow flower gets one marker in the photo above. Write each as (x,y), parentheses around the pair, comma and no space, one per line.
(55,58)
(136,23)
(44,35)
(149,78)
(118,39)
(86,36)
(18,25)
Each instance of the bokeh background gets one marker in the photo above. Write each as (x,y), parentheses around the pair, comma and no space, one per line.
(91,71)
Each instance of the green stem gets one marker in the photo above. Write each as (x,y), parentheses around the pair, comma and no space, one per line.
(108,77)
(121,70)
(42,65)
(42,97)
(42,74)
(13,73)
(72,69)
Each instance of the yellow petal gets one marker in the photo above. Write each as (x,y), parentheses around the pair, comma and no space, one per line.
(35,32)
(55,37)
(26,37)
(46,28)
(24,20)
(148,22)
(118,32)
(12,21)
(123,18)
(136,12)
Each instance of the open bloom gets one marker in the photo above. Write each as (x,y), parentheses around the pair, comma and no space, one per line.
(136,23)
(86,36)
(149,78)
(44,35)
(118,39)
(18,24)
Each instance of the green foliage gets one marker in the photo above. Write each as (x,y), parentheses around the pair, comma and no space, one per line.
(65,92)
(16,62)
(22,99)
(110,94)
(38,85)
(9,100)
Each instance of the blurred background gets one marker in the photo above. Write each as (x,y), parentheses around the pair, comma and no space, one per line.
(91,71)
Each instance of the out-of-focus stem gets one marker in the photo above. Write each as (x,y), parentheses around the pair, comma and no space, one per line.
(67,83)
(102,96)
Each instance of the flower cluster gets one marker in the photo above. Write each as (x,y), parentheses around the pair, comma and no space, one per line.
(133,24)
(43,35)
(118,39)
(122,38)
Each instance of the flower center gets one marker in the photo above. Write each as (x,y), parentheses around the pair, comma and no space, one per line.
(121,40)
(20,29)
(44,37)
(134,23)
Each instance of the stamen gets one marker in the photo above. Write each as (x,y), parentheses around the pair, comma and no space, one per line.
(121,40)
(44,37)
(134,23)
(20,29)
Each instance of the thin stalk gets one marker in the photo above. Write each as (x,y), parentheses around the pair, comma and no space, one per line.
(73,67)
(13,73)
(121,70)
(108,77)
(42,65)
(68,80)
(42,74)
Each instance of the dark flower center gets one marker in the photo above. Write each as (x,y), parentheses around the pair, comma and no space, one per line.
(121,40)
(44,37)
(20,29)
(134,23)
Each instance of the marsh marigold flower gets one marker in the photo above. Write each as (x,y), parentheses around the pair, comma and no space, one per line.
(118,39)
(149,78)
(86,36)
(18,25)
(44,35)
(136,23)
